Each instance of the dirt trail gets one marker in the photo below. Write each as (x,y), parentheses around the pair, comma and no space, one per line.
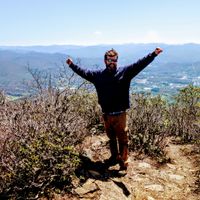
(145,180)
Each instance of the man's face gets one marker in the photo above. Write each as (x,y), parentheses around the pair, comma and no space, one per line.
(111,63)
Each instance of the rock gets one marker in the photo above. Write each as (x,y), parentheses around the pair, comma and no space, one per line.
(176,177)
(144,165)
(96,144)
(155,187)
(162,174)
(86,188)
(171,166)
(150,198)
(111,191)
(89,153)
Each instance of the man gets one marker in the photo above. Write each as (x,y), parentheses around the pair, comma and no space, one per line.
(112,85)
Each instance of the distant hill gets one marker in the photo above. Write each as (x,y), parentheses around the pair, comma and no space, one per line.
(172,53)
(174,60)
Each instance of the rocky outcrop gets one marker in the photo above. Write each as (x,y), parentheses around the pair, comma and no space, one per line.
(144,179)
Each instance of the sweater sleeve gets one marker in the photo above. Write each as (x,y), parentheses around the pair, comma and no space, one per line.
(86,74)
(133,69)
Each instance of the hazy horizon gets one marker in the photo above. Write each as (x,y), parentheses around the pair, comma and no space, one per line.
(84,45)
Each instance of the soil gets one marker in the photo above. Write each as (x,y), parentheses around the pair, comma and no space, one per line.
(145,179)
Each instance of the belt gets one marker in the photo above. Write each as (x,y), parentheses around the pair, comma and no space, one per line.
(114,113)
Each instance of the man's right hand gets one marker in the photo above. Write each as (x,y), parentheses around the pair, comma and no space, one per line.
(69,61)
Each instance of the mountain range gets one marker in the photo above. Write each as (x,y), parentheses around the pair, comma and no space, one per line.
(181,60)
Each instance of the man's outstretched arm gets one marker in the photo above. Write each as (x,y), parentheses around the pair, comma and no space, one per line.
(133,69)
(86,74)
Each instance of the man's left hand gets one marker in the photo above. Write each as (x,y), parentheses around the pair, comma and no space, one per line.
(158,50)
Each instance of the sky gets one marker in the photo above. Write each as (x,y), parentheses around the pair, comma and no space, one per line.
(94,22)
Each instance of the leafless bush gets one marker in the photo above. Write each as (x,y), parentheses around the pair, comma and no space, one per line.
(39,153)
(85,100)
(40,135)
(152,119)
(2,98)
(147,124)
(185,114)
(89,110)
(39,148)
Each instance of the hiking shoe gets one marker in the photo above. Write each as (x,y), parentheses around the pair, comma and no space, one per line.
(111,161)
(123,165)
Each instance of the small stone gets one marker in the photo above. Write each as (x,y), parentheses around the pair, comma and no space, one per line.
(150,198)
(171,166)
(89,153)
(176,177)
(155,187)
(89,186)
(144,165)
(111,191)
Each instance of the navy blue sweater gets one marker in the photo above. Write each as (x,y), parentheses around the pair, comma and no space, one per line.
(113,87)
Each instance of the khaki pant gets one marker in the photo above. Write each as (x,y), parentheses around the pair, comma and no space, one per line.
(116,129)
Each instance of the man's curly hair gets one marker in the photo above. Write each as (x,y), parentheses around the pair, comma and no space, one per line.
(110,53)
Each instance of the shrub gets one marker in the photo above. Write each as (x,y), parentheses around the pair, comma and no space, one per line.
(38,154)
(185,114)
(148,125)
(2,98)
(86,104)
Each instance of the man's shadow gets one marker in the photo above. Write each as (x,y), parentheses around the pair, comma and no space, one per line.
(99,171)
(96,170)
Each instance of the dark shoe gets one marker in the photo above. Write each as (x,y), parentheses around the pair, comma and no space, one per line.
(123,165)
(110,161)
